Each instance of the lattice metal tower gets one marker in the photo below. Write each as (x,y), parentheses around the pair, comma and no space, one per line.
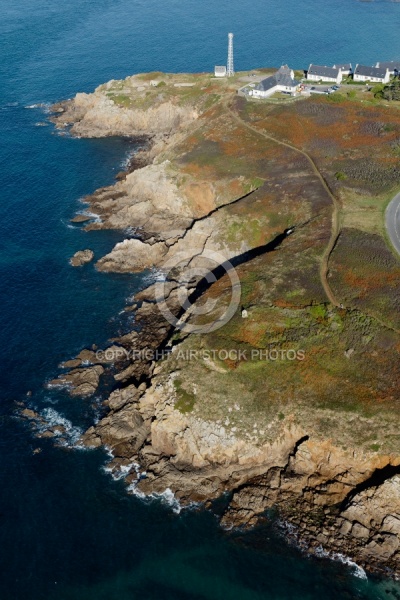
(229,69)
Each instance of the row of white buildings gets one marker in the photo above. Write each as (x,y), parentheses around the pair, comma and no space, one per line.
(284,81)
(380,73)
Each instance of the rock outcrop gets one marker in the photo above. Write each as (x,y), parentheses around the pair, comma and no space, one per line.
(147,200)
(81,257)
(96,115)
(345,500)
(333,498)
(80,382)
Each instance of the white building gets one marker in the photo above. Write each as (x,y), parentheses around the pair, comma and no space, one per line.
(346,68)
(319,73)
(220,71)
(373,74)
(392,66)
(282,81)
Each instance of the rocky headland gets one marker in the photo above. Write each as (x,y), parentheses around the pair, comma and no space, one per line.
(210,412)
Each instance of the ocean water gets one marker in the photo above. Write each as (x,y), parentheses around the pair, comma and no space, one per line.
(67,530)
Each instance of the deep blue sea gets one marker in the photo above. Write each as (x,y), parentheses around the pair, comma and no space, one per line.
(67,530)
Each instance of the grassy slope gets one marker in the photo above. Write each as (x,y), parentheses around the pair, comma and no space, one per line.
(355,146)
(346,388)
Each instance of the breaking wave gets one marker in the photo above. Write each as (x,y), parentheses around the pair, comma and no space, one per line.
(337,556)
(166,497)
(69,433)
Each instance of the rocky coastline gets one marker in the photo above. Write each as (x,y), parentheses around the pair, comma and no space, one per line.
(337,497)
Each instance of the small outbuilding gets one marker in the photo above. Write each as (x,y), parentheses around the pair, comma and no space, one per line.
(220,71)
(321,73)
(373,74)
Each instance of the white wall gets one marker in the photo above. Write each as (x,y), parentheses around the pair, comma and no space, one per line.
(337,79)
(217,73)
(372,79)
(277,88)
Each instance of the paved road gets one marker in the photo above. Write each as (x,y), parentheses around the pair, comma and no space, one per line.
(392,218)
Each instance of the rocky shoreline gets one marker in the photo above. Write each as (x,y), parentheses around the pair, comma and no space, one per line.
(341,499)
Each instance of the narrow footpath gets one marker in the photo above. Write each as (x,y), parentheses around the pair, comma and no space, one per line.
(324,267)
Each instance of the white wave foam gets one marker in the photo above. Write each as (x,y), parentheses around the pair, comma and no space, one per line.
(132,231)
(124,164)
(166,497)
(65,133)
(357,571)
(44,106)
(60,385)
(51,400)
(98,409)
(159,275)
(53,418)
(120,472)
(109,452)
(154,276)
(130,299)
(288,527)
(95,218)
(292,531)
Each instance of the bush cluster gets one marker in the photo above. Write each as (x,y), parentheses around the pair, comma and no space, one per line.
(373,173)
(389,92)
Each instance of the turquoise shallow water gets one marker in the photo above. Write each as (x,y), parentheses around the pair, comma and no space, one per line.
(66,530)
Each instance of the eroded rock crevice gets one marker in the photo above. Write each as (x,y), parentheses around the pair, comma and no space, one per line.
(342,500)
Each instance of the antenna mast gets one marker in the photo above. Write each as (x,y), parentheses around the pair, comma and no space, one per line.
(230,70)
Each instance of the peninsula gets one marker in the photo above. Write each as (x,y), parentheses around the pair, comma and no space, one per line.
(293,403)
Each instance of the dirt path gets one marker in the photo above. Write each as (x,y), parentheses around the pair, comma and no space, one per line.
(336,225)
(324,268)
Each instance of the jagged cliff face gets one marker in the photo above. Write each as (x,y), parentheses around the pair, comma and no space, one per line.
(96,115)
(341,500)
(316,438)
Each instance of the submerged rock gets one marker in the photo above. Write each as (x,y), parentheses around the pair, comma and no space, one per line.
(80,218)
(29,414)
